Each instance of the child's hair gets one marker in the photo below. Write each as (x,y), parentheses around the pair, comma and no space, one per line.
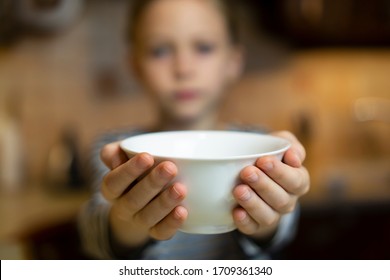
(225,6)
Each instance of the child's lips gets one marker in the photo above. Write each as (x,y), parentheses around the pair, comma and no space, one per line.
(186,95)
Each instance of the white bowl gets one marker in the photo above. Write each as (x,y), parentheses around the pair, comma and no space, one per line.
(209,163)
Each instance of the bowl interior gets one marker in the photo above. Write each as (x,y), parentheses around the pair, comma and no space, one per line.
(205,145)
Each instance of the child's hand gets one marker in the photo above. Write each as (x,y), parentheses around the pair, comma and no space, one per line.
(271,188)
(149,208)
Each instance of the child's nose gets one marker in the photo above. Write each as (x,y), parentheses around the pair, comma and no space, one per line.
(183,65)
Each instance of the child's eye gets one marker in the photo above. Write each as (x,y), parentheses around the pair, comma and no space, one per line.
(204,48)
(160,52)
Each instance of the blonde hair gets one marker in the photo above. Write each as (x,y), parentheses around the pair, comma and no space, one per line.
(138,7)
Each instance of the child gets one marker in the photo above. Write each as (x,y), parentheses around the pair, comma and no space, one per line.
(185,53)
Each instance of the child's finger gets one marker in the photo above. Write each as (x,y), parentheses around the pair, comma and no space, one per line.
(244,222)
(269,191)
(293,158)
(119,179)
(296,154)
(161,206)
(170,224)
(295,181)
(150,186)
(256,207)
(112,155)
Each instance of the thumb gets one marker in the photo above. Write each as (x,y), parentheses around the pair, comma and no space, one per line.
(296,154)
(112,155)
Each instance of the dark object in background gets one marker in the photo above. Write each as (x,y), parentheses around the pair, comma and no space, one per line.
(58,242)
(310,23)
(356,231)
(49,16)
(38,17)
(303,23)
(64,170)
(9,27)
(45,4)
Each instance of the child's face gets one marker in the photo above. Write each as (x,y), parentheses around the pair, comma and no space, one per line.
(184,57)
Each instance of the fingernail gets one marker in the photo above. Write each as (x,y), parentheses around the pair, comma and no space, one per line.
(174,193)
(299,154)
(246,195)
(267,166)
(253,177)
(296,160)
(180,213)
(241,216)
(142,163)
(166,171)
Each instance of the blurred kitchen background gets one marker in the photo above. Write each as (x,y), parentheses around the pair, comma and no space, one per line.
(320,68)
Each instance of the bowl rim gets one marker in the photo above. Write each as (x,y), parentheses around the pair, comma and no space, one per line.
(286,145)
